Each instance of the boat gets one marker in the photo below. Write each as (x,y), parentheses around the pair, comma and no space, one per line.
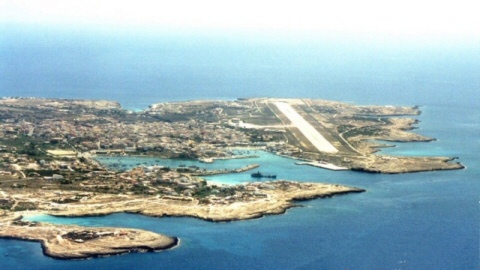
(260,175)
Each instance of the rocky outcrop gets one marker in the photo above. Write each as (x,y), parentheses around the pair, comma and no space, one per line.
(396,165)
(75,242)
(264,198)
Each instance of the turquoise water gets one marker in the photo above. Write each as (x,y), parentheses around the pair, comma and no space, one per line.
(284,168)
(412,221)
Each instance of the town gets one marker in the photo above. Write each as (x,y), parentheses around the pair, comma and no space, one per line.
(50,161)
(52,143)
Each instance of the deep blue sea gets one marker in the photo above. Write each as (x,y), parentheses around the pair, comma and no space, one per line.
(425,220)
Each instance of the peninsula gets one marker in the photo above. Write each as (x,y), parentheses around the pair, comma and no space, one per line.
(48,149)
(76,242)
(230,203)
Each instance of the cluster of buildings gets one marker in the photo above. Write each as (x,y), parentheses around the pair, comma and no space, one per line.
(178,139)
(110,130)
(103,135)
(14,165)
(142,180)
(35,130)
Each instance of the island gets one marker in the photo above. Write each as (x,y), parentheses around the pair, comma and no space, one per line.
(50,149)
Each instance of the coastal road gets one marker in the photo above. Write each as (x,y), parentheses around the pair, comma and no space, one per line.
(307,130)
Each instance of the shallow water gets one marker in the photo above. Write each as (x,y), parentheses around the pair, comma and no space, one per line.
(422,220)
(411,221)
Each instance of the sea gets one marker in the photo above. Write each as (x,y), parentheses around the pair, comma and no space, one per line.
(427,220)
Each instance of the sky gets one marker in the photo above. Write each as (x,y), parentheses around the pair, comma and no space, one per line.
(406,19)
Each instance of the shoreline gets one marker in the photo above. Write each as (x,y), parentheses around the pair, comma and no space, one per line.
(282,209)
(69,242)
(315,132)
(274,196)
(56,240)
(384,164)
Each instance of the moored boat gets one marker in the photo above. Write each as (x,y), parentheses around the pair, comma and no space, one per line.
(261,175)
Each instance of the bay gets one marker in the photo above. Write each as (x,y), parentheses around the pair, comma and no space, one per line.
(409,221)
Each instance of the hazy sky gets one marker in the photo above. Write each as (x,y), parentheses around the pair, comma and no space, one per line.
(406,18)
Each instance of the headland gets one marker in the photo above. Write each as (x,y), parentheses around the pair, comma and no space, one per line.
(76,242)
(48,149)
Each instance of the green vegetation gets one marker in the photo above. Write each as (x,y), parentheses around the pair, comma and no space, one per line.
(6,204)
(203,192)
(140,189)
(22,206)
(368,131)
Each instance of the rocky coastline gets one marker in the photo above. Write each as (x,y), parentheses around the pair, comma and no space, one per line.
(412,165)
(48,167)
(270,198)
(76,242)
